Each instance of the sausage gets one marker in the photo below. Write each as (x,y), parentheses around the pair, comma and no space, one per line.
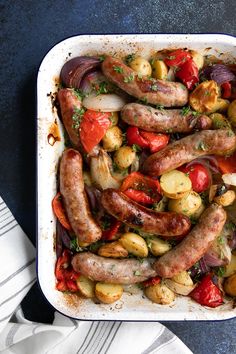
(152,91)
(218,142)
(116,271)
(75,199)
(194,245)
(162,120)
(137,216)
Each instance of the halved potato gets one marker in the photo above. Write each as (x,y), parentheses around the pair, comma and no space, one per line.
(221,105)
(160,294)
(230,269)
(175,184)
(158,246)
(113,250)
(219,121)
(112,140)
(86,286)
(141,66)
(134,244)
(187,205)
(177,288)
(232,113)
(183,278)
(108,293)
(226,199)
(159,69)
(204,98)
(230,285)
(198,212)
(197,58)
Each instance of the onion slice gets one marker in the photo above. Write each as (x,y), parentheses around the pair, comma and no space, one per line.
(220,73)
(104,102)
(229,178)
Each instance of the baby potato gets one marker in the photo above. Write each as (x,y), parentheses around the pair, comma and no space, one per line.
(159,69)
(231,267)
(161,205)
(198,212)
(141,66)
(158,246)
(226,199)
(219,121)
(220,106)
(232,113)
(134,244)
(187,205)
(112,140)
(113,250)
(230,285)
(114,118)
(183,278)
(175,184)
(124,157)
(204,98)
(86,286)
(197,58)
(108,293)
(160,294)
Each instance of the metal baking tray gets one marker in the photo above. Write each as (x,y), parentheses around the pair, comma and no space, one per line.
(133,306)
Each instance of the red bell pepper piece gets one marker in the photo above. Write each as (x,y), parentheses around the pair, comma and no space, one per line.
(177,57)
(139,196)
(200,176)
(134,138)
(227,164)
(63,262)
(188,73)
(151,281)
(110,234)
(207,293)
(61,286)
(59,211)
(72,286)
(70,274)
(227,88)
(93,127)
(156,141)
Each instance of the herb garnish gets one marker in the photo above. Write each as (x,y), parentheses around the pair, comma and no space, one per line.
(118,69)
(136,148)
(77,117)
(185,110)
(102,88)
(201,146)
(129,78)
(129,58)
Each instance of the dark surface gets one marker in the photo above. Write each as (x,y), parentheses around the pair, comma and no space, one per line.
(28,30)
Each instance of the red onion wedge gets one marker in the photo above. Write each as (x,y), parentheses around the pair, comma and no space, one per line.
(218,72)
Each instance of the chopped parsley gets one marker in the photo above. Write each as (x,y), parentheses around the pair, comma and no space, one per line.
(201,146)
(154,87)
(230,133)
(118,69)
(77,117)
(220,271)
(137,273)
(160,107)
(221,240)
(129,78)
(102,88)
(230,226)
(129,58)
(185,110)
(136,148)
(102,58)
(74,245)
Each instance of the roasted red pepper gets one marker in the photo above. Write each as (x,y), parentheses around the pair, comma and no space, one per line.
(59,211)
(151,281)
(110,234)
(62,264)
(156,141)
(93,127)
(72,286)
(64,273)
(188,73)
(227,90)
(149,187)
(134,138)
(177,57)
(227,164)
(61,286)
(207,293)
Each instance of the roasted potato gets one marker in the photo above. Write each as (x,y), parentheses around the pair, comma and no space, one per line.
(86,286)
(158,246)
(231,267)
(230,285)
(141,66)
(112,140)
(232,113)
(219,121)
(183,278)
(198,212)
(204,98)
(134,244)
(160,294)
(108,293)
(220,106)
(187,205)
(178,288)
(161,205)
(226,199)
(124,157)
(113,250)
(175,184)
(159,69)
(114,118)
(197,58)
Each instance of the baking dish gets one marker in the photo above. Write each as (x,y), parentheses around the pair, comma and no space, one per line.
(50,141)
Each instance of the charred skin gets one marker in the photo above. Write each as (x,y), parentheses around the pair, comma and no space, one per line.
(163,121)
(153,91)
(174,155)
(75,199)
(194,245)
(137,216)
(116,271)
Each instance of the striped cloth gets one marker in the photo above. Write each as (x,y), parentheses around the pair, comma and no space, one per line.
(65,335)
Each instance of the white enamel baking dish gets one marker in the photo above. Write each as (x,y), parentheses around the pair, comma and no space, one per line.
(133,307)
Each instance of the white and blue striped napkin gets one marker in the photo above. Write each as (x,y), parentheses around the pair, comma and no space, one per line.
(65,335)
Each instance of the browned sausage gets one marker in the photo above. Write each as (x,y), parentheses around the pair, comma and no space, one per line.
(194,245)
(75,198)
(137,216)
(117,271)
(218,142)
(153,91)
(163,120)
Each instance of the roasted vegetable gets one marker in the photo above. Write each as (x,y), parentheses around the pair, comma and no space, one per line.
(175,184)
(108,293)
(124,157)
(134,244)
(187,205)
(113,250)
(112,140)
(141,66)
(230,285)
(160,294)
